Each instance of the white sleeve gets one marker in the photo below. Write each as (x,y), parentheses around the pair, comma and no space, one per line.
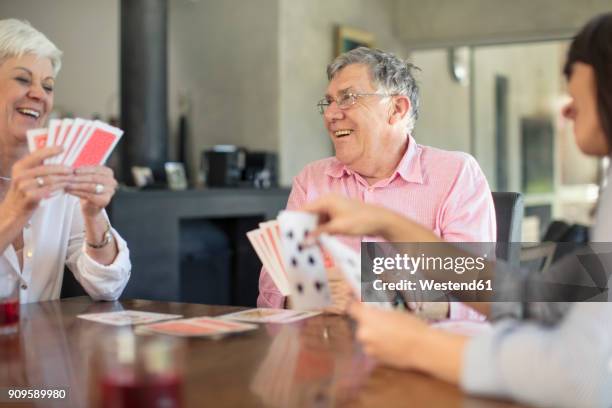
(568,365)
(101,282)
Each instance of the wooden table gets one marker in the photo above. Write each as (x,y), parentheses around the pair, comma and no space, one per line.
(315,362)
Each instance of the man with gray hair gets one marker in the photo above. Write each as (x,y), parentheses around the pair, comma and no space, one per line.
(370,109)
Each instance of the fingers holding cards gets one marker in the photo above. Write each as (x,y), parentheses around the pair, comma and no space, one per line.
(298,269)
(93,180)
(347,260)
(81,145)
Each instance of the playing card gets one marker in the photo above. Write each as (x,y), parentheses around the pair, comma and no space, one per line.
(305,265)
(37,139)
(98,144)
(277,267)
(270,235)
(273,269)
(347,260)
(62,132)
(199,327)
(85,143)
(272,230)
(71,138)
(127,317)
(298,315)
(263,315)
(77,143)
(54,125)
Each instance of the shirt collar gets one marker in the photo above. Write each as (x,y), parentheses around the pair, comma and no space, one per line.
(409,167)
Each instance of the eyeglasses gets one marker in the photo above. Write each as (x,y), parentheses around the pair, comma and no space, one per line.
(345,101)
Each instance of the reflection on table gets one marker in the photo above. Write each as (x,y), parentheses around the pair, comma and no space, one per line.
(314,362)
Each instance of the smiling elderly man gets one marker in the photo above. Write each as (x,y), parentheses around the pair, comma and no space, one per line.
(369,110)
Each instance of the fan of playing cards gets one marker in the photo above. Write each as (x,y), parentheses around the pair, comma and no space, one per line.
(297,270)
(85,142)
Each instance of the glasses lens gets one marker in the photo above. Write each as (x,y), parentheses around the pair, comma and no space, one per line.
(322,105)
(346,100)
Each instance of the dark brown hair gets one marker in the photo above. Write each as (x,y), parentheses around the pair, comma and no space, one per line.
(593,46)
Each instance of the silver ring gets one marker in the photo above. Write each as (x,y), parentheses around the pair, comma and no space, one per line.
(99,188)
(40,181)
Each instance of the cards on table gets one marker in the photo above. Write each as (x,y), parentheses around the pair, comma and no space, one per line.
(85,142)
(128,317)
(263,315)
(198,327)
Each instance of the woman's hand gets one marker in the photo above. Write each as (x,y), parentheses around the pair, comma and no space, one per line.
(32,181)
(95,186)
(340,215)
(388,336)
(403,341)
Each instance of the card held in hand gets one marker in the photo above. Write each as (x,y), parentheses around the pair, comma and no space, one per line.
(305,265)
(84,142)
(345,259)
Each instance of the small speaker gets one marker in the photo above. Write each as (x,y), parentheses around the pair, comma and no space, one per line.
(223,167)
(261,169)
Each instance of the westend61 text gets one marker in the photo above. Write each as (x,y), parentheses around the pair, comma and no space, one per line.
(428,284)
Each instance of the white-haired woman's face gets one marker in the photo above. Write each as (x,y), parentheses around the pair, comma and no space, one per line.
(582,110)
(26,95)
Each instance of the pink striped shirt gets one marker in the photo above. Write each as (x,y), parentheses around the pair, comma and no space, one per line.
(444,191)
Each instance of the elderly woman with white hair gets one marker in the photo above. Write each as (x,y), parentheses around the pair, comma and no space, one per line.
(51,216)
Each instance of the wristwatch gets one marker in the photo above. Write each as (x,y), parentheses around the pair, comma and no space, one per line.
(106,238)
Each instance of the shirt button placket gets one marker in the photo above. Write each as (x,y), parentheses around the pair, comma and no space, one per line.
(367,194)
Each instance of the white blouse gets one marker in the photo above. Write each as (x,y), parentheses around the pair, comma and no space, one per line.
(54,237)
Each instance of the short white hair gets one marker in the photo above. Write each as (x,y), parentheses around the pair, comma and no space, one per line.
(389,73)
(18,38)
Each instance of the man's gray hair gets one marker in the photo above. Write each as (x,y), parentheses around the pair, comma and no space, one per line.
(388,72)
(18,38)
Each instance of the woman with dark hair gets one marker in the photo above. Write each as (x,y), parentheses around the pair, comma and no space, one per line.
(562,356)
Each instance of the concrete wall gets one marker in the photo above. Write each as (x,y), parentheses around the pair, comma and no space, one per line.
(435,23)
(305,49)
(224,63)
(444,119)
(87,31)
(535,89)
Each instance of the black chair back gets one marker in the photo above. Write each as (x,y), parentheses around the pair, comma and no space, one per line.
(509,214)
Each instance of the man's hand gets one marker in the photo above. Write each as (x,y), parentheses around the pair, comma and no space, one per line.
(341,293)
